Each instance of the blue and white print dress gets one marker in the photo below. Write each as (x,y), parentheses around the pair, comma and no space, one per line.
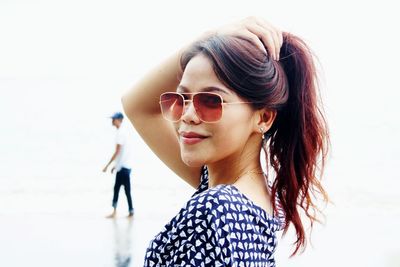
(218,226)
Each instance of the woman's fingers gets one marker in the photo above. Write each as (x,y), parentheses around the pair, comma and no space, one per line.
(254,39)
(275,33)
(258,31)
(268,38)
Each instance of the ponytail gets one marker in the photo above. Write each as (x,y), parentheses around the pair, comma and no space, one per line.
(298,140)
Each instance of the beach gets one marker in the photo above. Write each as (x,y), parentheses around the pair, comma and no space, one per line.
(70,229)
(64,67)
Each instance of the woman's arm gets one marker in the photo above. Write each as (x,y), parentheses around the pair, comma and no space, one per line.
(141,105)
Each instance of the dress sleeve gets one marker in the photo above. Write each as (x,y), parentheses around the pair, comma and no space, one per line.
(204,246)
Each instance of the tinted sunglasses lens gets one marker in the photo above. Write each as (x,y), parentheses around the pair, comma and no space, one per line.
(208,106)
(171,106)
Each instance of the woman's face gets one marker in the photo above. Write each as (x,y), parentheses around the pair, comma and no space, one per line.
(223,139)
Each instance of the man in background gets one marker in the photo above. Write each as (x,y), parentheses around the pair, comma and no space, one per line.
(123,163)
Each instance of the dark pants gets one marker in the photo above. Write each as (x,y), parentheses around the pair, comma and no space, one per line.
(123,178)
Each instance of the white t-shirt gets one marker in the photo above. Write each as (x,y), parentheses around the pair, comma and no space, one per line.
(125,157)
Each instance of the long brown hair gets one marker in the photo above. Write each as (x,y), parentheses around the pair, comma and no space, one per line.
(298,139)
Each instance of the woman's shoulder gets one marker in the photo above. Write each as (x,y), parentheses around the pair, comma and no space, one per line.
(225,199)
(211,201)
(219,200)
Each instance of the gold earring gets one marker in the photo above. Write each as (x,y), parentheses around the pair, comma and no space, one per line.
(262,132)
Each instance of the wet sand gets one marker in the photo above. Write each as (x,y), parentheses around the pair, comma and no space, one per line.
(359,231)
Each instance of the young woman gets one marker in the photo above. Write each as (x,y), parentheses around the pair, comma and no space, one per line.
(207,113)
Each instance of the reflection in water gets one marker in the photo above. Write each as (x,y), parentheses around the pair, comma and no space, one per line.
(122,242)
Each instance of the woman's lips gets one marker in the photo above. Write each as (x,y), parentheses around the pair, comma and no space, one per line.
(191,138)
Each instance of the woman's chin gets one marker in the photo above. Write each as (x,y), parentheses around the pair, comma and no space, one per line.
(192,161)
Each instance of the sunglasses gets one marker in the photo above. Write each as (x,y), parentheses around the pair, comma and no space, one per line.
(208,106)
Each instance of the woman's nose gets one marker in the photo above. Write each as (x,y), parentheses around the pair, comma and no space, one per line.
(189,113)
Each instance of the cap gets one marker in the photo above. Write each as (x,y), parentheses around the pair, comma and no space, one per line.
(117,115)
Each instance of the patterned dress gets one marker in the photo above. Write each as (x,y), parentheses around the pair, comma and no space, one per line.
(218,226)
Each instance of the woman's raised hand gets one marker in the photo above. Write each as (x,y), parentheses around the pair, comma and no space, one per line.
(257,30)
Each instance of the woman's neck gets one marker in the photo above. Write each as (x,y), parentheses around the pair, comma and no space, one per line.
(230,169)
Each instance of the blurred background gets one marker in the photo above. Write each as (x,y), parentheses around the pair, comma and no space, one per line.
(63,68)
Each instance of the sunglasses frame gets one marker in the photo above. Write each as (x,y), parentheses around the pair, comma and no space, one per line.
(191,100)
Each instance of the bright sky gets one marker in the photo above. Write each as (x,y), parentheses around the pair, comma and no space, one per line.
(72,60)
